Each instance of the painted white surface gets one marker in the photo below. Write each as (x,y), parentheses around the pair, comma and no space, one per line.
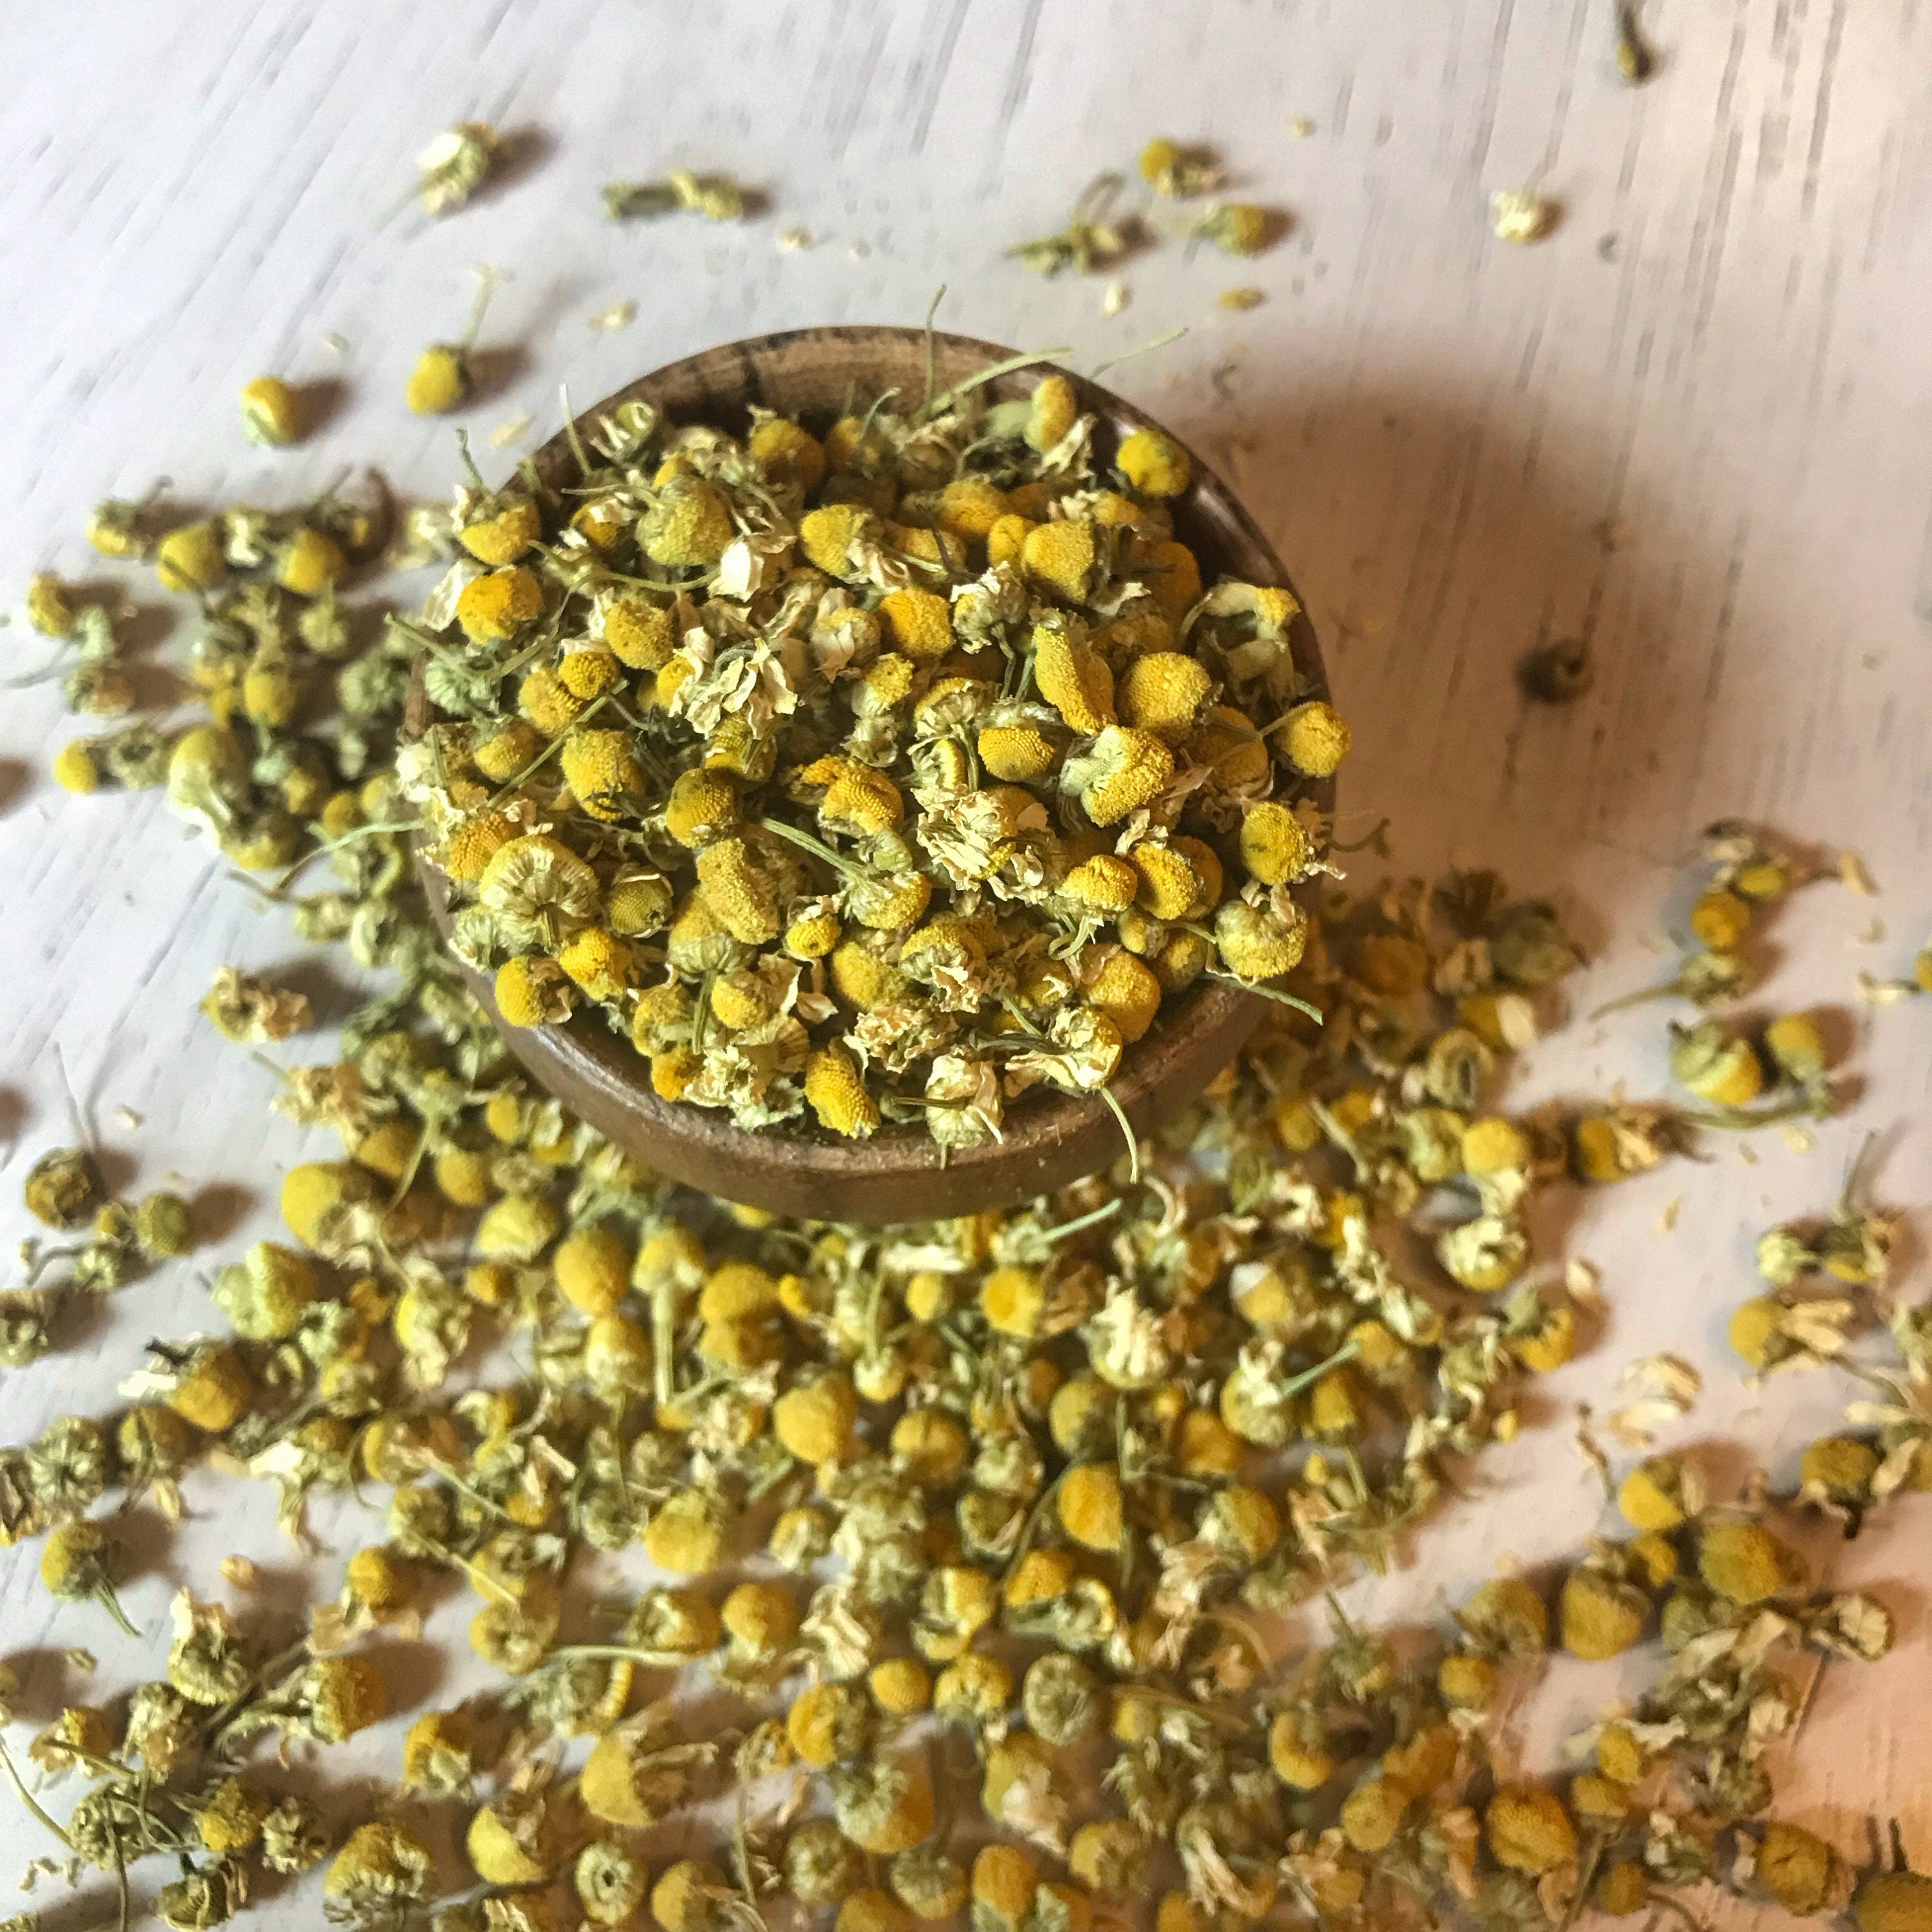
(1723,352)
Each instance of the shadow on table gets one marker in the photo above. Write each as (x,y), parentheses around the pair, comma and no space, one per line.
(1439,535)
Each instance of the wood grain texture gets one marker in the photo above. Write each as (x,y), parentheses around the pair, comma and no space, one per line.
(1695,425)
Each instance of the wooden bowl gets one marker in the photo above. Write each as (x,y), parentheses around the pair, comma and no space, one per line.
(1051,1139)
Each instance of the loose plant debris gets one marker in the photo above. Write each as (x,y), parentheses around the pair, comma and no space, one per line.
(1041,1487)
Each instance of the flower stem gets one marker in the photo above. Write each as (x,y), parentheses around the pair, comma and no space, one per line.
(27,1798)
(111,1604)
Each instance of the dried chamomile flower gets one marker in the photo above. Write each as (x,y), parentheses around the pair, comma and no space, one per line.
(1521,215)
(443,377)
(81,1732)
(70,1466)
(1090,241)
(382,1871)
(204,1896)
(1716,1066)
(252,1011)
(63,1189)
(163,1226)
(638,1772)
(440,1752)
(454,165)
(716,197)
(26,1331)
(207,1662)
(80,1560)
(1527,1829)
(1744,1562)
(293,1837)
(1172,168)
(272,414)
(1240,228)
(612,1881)
(1661,1493)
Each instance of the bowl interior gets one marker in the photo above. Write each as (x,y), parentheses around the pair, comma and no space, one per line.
(1051,1139)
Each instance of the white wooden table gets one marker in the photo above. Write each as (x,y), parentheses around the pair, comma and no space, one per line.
(1695,423)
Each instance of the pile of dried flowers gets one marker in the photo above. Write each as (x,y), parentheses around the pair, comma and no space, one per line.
(1036,1489)
(885,775)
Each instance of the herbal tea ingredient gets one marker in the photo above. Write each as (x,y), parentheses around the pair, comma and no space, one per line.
(871,779)
(1038,1479)
(1042,1486)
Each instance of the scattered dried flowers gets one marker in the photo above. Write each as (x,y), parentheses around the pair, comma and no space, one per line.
(1028,1477)
(1099,235)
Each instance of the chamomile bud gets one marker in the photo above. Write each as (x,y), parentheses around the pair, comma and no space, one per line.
(440,381)
(1527,1829)
(271,412)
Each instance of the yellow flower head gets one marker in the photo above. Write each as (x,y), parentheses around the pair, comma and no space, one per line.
(815,1421)
(969,507)
(836,1091)
(1012,1300)
(859,798)
(1275,845)
(1170,885)
(1054,410)
(592,1268)
(498,604)
(1527,1829)
(1154,463)
(191,558)
(1315,738)
(510,745)
(1744,1563)
(1105,882)
(1088,1503)
(532,990)
(829,537)
(504,535)
(1171,571)
(1120,772)
(739,893)
(1257,944)
(1128,992)
(76,768)
(686,1536)
(439,382)
(516,1228)
(310,562)
(1017,754)
(590,673)
(787,453)
(605,965)
(689,526)
(638,633)
(1720,920)
(1165,692)
(1600,1616)
(918,622)
(601,771)
(702,806)
(1072,677)
(1062,557)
